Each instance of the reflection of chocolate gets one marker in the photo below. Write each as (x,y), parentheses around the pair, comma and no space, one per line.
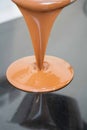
(63,110)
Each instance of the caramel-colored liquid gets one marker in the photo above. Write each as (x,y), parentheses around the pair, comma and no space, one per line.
(24,74)
(40,75)
(40,16)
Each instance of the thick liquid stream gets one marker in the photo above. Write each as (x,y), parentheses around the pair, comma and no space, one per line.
(40,16)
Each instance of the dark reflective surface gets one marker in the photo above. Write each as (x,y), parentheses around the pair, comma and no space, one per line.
(6,88)
(37,113)
(15,112)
